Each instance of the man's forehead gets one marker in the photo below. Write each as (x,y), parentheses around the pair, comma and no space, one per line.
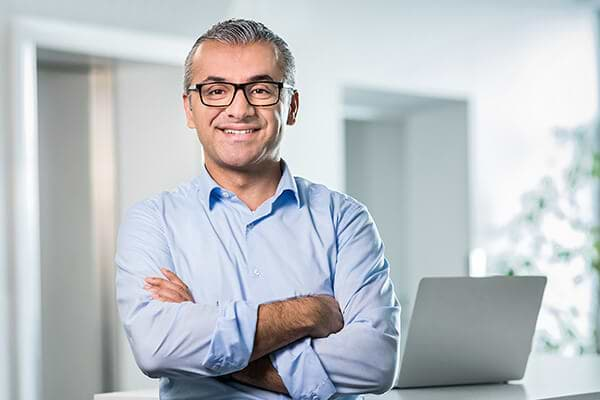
(238,63)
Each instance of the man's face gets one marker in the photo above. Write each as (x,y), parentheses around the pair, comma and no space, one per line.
(238,64)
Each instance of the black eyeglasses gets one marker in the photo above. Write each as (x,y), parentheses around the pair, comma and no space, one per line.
(257,93)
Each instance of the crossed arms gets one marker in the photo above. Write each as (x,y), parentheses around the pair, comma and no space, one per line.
(301,337)
(279,324)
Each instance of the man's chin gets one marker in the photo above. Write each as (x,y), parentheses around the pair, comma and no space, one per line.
(238,164)
(244,164)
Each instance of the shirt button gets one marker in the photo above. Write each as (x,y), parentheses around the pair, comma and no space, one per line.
(256,272)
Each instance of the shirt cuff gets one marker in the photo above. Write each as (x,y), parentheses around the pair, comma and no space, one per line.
(301,371)
(233,339)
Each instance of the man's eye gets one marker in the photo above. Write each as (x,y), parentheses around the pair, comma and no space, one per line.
(261,90)
(215,91)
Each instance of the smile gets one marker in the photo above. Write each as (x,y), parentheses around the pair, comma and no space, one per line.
(238,131)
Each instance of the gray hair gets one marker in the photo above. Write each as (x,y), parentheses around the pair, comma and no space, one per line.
(243,32)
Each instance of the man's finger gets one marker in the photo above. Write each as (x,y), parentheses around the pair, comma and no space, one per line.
(173,277)
(169,295)
(154,281)
(163,283)
(165,298)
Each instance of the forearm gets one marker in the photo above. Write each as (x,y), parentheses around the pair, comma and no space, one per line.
(260,373)
(281,323)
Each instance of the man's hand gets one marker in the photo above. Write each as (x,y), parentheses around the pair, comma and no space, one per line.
(171,289)
(260,373)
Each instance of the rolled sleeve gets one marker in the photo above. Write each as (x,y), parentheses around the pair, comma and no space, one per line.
(301,371)
(233,339)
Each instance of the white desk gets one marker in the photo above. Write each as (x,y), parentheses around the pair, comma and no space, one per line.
(546,377)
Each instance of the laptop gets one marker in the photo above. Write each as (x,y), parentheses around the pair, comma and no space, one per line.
(470,330)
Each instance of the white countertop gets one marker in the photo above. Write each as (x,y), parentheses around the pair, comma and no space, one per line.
(546,377)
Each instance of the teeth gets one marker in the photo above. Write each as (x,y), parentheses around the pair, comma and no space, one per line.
(238,132)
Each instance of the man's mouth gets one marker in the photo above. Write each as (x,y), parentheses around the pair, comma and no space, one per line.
(239,131)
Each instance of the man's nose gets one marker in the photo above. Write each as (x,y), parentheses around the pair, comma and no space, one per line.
(239,107)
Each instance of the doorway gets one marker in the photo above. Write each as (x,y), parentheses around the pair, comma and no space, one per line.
(407,161)
(99,152)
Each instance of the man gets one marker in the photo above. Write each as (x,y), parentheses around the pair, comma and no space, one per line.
(273,285)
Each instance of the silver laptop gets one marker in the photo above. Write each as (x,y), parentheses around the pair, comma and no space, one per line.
(470,330)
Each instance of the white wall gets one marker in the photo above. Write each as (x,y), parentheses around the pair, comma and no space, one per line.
(437,220)
(377,175)
(156,150)
(180,17)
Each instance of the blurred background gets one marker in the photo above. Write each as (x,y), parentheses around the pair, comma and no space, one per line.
(467,127)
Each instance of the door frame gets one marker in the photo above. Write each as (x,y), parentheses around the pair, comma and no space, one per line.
(27,35)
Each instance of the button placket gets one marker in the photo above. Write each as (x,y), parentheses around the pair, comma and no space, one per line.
(253,269)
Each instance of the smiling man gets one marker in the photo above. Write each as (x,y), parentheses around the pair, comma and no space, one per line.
(248,282)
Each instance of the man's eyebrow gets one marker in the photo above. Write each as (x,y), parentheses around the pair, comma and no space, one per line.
(214,79)
(264,77)
(260,78)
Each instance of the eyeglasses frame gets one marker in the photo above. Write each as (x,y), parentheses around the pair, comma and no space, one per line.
(237,86)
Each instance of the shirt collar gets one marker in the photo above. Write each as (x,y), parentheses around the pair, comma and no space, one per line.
(287,183)
(209,190)
(207,186)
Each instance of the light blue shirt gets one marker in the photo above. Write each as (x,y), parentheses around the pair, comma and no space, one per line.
(305,240)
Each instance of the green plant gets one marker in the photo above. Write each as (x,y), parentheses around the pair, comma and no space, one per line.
(555,233)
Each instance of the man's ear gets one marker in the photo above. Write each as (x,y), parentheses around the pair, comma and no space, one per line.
(293,111)
(187,107)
